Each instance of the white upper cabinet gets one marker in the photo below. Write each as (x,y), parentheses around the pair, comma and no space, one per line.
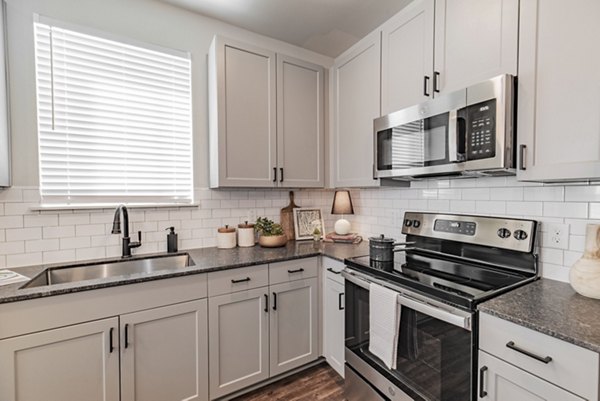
(474,40)
(242,113)
(407,57)
(559,96)
(266,118)
(300,137)
(356,97)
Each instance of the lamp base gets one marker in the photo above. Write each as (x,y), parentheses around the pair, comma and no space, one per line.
(342,227)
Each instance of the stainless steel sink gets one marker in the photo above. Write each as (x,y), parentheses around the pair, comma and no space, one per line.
(81,272)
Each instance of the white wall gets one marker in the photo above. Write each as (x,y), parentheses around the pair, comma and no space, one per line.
(143,20)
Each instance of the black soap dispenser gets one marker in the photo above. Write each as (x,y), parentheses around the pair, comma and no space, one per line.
(171,240)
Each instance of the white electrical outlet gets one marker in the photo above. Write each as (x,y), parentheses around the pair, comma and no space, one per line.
(557,236)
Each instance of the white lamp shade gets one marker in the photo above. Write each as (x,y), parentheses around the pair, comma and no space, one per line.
(342,203)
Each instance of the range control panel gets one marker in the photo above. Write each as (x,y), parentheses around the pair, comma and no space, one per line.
(498,232)
(481,130)
(455,227)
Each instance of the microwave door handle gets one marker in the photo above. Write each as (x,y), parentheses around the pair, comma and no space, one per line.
(463,322)
(453,137)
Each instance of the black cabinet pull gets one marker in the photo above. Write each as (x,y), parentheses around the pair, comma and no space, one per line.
(111,346)
(543,359)
(300,270)
(281,172)
(522,157)
(274,174)
(266,303)
(340,303)
(426,85)
(329,269)
(274,301)
(127,335)
(242,280)
(436,82)
(482,392)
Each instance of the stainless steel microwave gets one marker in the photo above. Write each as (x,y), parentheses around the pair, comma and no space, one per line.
(467,132)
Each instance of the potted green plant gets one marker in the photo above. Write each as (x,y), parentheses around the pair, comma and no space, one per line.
(271,234)
(316,234)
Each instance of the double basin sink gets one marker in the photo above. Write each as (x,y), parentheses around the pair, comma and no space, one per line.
(92,271)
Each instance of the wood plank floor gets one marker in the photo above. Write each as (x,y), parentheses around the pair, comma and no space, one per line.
(320,383)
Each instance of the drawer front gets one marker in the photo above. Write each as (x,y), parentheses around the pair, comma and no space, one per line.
(233,280)
(333,269)
(291,270)
(571,367)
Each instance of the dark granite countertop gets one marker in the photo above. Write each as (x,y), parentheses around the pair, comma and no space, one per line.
(205,259)
(553,308)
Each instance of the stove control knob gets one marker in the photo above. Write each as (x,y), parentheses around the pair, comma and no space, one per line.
(520,235)
(416,223)
(504,233)
(408,223)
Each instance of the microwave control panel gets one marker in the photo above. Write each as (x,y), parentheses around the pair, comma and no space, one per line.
(481,130)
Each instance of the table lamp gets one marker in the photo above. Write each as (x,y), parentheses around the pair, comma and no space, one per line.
(342,204)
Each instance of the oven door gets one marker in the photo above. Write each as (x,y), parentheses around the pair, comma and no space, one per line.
(426,139)
(435,348)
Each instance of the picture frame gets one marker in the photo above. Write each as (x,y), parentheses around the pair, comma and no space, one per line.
(306,219)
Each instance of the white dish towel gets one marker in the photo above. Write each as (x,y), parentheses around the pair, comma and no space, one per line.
(384,324)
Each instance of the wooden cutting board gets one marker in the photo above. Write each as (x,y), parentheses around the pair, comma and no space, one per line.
(287,218)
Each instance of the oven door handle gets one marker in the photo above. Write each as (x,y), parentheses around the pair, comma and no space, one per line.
(463,322)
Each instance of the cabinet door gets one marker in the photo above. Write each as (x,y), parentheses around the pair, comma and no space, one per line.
(474,40)
(293,325)
(559,100)
(407,57)
(78,362)
(239,340)
(300,137)
(501,381)
(356,102)
(164,353)
(242,115)
(334,324)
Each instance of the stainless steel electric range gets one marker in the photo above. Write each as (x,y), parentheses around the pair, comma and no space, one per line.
(448,265)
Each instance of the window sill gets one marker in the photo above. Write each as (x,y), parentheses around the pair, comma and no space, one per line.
(101,206)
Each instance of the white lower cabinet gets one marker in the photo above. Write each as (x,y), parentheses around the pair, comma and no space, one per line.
(333,314)
(501,381)
(79,362)
(260,331)
(239,340)
(163,353)
(293,322)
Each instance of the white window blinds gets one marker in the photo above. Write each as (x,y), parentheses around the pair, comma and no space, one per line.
(114,120)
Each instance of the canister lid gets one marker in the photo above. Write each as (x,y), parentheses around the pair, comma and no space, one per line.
(245,225)
(226,229)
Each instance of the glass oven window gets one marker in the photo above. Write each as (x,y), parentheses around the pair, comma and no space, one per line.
(417,144)
(434,357)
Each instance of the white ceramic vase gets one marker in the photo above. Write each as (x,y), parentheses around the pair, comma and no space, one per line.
(585,273)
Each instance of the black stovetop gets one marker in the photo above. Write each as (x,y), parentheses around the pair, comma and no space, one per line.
(446,278)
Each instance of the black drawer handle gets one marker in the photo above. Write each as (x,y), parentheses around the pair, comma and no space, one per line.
(329,269)
(300,270)
(482,392)
(340,301)
(274,301)
(543,359)
(522,149)
(426,85)
(242,280)
(111,346)
(266,303)
(436,82)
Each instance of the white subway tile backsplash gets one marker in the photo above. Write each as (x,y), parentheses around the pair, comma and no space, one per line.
(42,245)
(67,219)
(589,193)
(506,194)
(17,234)
(524,208)
(75,242)
(550,194)
(566,209)
(59,256)
(476,194)
(11,221)
(40,220)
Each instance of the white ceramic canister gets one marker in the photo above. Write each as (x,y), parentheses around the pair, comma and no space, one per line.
(246,235)
(226,238)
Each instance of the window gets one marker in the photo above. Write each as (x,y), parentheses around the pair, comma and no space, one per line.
(114,120)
